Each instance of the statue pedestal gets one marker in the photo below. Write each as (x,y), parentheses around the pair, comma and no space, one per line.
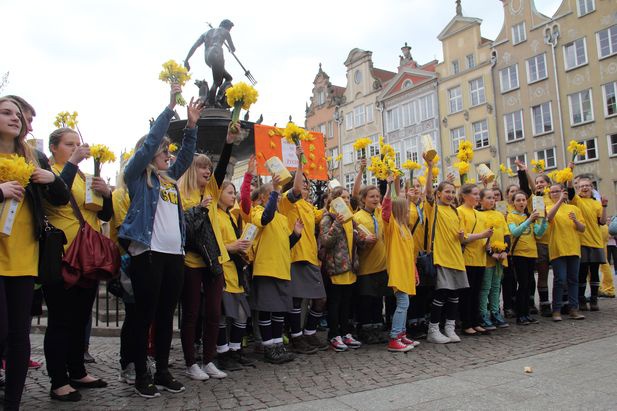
(211,135)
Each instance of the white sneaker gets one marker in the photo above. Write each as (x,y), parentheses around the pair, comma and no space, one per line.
(194,372)
(127,375)
(212,371)
(435,336)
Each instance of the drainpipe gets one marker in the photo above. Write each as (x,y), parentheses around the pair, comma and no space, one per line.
(493,75)
(338,119)
(551,36)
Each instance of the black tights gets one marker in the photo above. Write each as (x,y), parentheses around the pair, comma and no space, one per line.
(339,306)
(440,298)
(594,281)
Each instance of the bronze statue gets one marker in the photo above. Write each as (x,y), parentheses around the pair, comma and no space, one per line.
(213,41)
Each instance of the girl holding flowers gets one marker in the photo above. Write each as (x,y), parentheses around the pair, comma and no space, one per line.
(497,248)
(29,183)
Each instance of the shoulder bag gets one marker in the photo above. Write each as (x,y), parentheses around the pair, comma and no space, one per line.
(424,260)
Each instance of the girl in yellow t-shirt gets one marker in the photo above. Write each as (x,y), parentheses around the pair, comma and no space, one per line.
(566,224)
(338,242)
(497,247)
(448,258)
(524,228)
(474,252)
(400,257)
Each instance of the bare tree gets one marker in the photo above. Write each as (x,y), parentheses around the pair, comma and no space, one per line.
(4,80)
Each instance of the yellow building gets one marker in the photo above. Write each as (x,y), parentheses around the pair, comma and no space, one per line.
(466,100)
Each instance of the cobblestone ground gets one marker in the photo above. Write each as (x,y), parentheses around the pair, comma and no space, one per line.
(323,375)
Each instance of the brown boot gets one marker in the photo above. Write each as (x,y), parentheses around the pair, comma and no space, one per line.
(556,316)
(575,315)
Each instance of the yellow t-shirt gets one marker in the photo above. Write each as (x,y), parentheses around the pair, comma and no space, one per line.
(418,234)
(473,223)
(526,242)
(306,248)
(592,210)
(373,258)
(121,201)
(232,284)
(565,240)
(548,203)
(19,252)
(495,219)
(64,218)
(192,259)
(400,257)
(272,254)
(447,250)
(348,277)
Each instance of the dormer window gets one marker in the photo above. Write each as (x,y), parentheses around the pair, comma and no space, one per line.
(321,97)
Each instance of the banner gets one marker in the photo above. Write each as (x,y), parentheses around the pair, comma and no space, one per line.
(266,146)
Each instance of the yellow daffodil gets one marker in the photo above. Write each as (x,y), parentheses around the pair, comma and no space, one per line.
(174,73)
(15,168)
(538,165)
(240,96)
(66,119)
(463,167)
(498,246)
(361,143)
(577,149)
(173,148)
(564,175)
(411,165)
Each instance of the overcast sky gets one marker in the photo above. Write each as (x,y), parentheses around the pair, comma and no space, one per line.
(102,58)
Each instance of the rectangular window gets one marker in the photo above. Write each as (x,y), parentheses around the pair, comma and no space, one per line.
(457,135)
(373,149)
(548,155)
(509,78)
(411,149)
(405,108)
(585,7)
(330,129)
(480,133)
(575,53)
(370,108)
(518,33)
(612,144)
(542,118)
(349,180)
(581,109)
(607,42)
(456,99)
(471,61)
(358,114)
(348,121)
(426,107)
(455,67)
(394,119)
(348,154)
(321,97)
(536,68)
(322,129)
(476,88)
(592,151)
(513,124)
(610,92)
(519,157)
(334,154)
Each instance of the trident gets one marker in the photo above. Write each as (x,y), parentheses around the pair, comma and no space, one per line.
(246,72)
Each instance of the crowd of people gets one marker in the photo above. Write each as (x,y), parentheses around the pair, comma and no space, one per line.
(417,260)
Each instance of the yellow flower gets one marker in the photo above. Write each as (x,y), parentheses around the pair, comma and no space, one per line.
(422,180)
(498,246)
(241,94)
(15,168)
(378,167)
(465,151)
(411,165)
(127,155)
(563,176)
(312,156)
(463,167)
(361,143)
(102,153)
(173,148)
(339,157)
(387,151)
(547,190)
(538,165)
(66,119)
(174,73)
(577,149)
(552,175)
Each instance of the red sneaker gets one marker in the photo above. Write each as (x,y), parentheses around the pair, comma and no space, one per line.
(34,364)
(396,345)
(407,341)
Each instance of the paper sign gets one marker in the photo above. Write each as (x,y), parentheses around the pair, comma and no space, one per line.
(502,207)
(538,205)
(288,151)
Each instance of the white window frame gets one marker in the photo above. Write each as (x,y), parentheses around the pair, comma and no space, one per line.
(513,117)
(471,61)
(455,102)
(348,154)
(426,109)
(456,67)
(481,135)
(584,7)
(548,107)
(595,149)
(511,159)
(322,129)
(330,129)
(508,72)
(358,116)
(370,109)
(321,97)
(393,117)
(477,93)
(605,96)
(456,138)
(612,46)
(581,108)
(412,151)
(519,34)
(535,69)
(611,152)
(349,121)
(334,154)
(576,63)
(350,178)
(543,155)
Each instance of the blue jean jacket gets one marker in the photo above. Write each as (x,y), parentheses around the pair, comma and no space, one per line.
(139,221)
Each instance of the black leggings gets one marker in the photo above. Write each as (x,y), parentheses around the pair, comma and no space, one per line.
(127,336)
(370,309)
(157,283)
(470,298)
(15,304)
(523,269)
(339,306)
(420,304)
(442,297)
(594,281)
(508,287)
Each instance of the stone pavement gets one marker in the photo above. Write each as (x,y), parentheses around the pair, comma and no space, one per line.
(367,378)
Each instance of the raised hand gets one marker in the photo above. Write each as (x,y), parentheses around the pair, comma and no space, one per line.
(252,165)
(175,89)
(80,153)
(193,110)
(298,227)
(276,182)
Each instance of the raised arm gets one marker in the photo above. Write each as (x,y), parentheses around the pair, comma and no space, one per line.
(524,179)
(357,184)
(299,177)
(195,46)
(428,189)
(245,188)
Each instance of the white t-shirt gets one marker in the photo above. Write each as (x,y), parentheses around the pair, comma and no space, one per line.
(166,236)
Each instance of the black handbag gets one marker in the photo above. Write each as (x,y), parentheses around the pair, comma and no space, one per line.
(51,251)
(424,261)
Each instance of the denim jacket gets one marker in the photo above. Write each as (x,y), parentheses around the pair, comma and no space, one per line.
(139,220)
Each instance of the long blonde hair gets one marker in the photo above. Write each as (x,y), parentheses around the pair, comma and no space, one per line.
(400,212)
(150,168)
(188,182)
(22,148)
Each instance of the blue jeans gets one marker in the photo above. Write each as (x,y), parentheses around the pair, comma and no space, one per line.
(565,269)
(399,319)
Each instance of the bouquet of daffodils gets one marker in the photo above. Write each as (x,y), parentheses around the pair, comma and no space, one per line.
(577,149)
(174,73)
(240,96)
(101,155)
(16,168)
(66,119)
(361,144)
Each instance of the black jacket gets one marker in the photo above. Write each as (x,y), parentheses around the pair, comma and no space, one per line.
(200,238)
(56,193)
